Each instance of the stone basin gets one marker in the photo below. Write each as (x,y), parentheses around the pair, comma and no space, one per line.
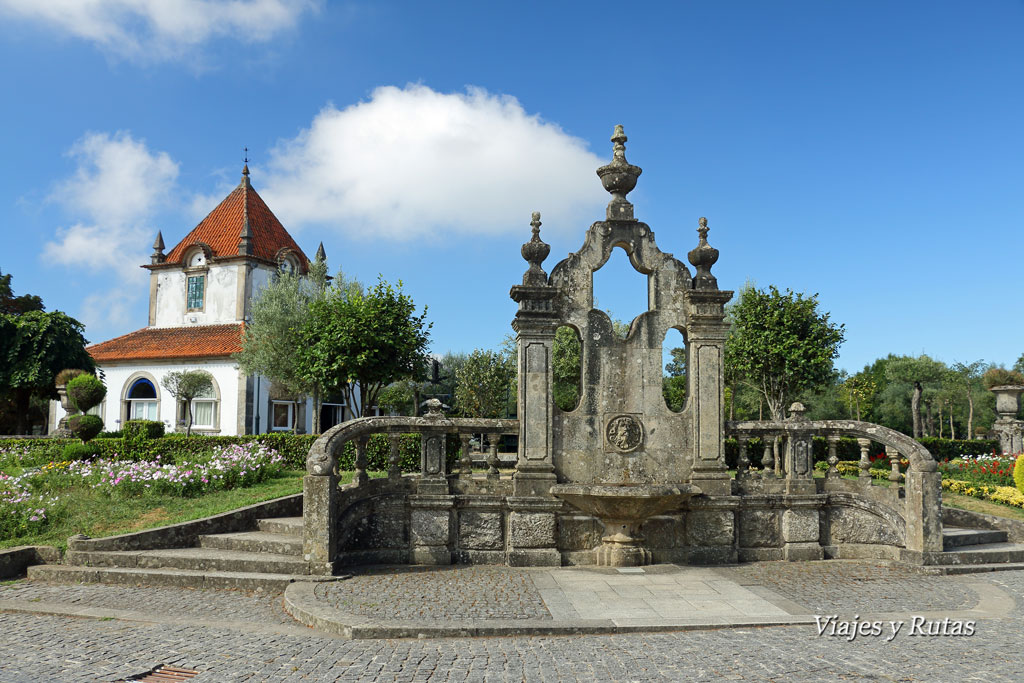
(622,508)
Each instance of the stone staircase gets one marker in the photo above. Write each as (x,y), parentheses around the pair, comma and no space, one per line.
(967,551)
(268,558)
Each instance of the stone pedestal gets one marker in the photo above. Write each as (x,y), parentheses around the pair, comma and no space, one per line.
(800,534)
(533,532)
(431,532)
(319,523)
(923,511)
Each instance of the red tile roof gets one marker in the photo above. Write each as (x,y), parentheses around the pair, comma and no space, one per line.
(220,230)
(152,343)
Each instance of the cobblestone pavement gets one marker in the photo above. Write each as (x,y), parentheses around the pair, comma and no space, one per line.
(864,586)
(423,593)
(200,604)
(55,648)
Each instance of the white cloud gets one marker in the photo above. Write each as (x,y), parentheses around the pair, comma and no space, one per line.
(412,160)
(154,30)
(118,187)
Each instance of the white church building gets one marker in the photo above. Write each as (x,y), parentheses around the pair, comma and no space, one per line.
(200,297)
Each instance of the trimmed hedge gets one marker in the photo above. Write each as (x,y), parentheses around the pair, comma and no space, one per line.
(947,449)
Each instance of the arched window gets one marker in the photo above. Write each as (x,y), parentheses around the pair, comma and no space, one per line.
(142,400)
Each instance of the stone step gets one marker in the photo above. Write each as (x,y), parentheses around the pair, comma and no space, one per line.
(182,578)
(255,542)
(956,537)
(989,553)
(979,568)
(197,559)
(281,525)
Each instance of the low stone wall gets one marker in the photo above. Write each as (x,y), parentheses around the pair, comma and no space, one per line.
(14,561)
(1014,528)
(385,521)
(186,534)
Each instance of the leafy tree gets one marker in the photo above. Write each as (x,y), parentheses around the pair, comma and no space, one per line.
(363,339)
(782,344)
(858,392)
(566,368)
(965,379)
(270,345)
(484,384)
(673,384)
(185,385)
(15,305)
(34,347)
(917,373)
(1019,365)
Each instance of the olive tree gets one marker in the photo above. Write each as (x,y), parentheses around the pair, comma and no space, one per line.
(186,385)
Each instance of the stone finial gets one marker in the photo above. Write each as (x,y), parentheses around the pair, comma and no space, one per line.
(434,411)
(321,255)
(796,412)
(618,178)
(535,251)
(245,175)
(158,249)
(245,245)
(702,258)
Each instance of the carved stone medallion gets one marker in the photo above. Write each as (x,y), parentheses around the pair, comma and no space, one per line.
(624,433)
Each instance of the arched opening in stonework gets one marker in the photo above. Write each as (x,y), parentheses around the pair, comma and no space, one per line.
(620,291)
(567,366)
(674,364)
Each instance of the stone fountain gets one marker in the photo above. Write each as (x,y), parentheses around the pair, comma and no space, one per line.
(621,455)
(619,479)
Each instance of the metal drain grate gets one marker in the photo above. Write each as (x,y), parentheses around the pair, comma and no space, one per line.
(163,674)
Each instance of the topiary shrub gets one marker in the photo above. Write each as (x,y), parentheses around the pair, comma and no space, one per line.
(68,374)
(1018,473)
(85,427)
(80,451)
(86,392)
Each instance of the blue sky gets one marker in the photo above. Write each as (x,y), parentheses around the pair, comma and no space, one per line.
(871,152)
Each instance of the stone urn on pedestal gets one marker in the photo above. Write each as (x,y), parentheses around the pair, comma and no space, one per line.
(1009,428)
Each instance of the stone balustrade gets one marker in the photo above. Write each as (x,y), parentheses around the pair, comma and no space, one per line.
(793,468)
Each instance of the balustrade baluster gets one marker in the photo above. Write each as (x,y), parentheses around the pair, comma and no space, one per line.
(742,462)
(865,462)
(465,459)
(894,463)
(395,456)
(833,458)
(767,464)
(492,458)
(360,477)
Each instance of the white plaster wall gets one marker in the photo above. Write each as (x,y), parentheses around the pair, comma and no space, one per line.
(115,376)
(220,297)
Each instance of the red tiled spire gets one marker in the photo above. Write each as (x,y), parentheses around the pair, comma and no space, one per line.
(224,230)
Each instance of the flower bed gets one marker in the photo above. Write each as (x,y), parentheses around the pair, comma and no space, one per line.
(23,509)
(990,470)
(1007,495)
(225,467)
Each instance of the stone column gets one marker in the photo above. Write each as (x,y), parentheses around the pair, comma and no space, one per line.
(320,510)
(864,477)
(706,334)
(394,456)
(465,459)
(535,324)
(359,476)
(923,512)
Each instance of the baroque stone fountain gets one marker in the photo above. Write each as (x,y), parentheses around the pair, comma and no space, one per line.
(619,479)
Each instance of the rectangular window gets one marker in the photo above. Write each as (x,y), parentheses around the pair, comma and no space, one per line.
(143,410)
(282,417)
(202,414)
(195,291)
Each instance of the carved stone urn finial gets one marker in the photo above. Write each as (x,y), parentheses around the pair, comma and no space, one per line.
(702,258)
(535,251)
(434,411)
(618,178)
